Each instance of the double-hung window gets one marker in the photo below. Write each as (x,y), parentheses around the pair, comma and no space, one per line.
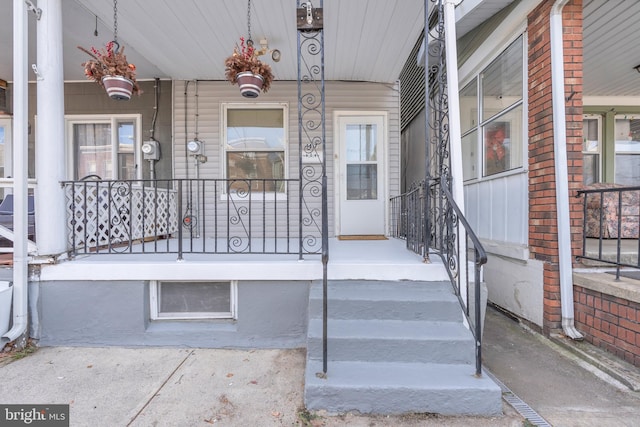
(255,147)
(105,146)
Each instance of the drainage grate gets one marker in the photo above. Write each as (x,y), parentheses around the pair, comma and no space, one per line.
(518,404)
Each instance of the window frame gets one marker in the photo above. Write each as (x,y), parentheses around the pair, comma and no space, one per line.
(154,302)
(224,149)
(621,116)
(496,116)
(599,121)
(113,120)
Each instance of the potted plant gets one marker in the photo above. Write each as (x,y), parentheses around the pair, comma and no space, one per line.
(244,68)
(110,69)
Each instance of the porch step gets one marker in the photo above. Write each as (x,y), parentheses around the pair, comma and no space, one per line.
(394,347)
(359,299)
(399,388)
(392,341)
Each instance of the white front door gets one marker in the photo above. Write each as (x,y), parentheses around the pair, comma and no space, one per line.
(361,145)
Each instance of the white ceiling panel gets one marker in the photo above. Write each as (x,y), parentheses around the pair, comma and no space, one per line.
(364,39)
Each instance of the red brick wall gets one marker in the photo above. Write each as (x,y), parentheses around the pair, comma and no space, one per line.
(543,229)
(608,322)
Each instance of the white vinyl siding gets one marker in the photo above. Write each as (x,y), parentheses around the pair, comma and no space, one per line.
(339,96)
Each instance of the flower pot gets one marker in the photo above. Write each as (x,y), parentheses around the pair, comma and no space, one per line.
(250,84)
(118,87)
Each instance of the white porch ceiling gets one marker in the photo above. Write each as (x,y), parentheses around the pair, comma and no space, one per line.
(364,39)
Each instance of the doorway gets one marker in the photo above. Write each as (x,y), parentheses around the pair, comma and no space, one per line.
(360,173)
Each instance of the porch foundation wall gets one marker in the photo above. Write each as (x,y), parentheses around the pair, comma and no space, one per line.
(514,285)
(609,322)
(104,313)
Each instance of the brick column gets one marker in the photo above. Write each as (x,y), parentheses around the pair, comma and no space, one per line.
(543,229)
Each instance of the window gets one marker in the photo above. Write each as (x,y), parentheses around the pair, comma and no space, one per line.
(105,146)
(491,112)
(627,149)
(255,147)
(591,133)
(193,300)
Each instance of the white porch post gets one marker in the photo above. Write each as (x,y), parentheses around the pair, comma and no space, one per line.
(50,158)
(455,135)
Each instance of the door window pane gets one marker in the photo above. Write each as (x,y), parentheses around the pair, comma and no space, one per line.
(92,150)
(362,182)
(361,143)
(126,155)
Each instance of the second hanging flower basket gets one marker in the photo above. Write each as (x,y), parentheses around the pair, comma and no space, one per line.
(245,69)
(110,69)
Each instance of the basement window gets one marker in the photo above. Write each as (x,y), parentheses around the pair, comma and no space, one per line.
(193,300)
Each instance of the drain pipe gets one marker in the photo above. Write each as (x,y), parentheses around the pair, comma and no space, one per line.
(20,137)
(562,175)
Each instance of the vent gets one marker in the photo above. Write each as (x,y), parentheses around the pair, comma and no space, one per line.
(4,103)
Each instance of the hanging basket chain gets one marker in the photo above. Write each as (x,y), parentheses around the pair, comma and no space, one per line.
(249,39)
(115,22)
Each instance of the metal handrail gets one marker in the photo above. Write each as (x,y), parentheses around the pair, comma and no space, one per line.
(437,230)
(598,227)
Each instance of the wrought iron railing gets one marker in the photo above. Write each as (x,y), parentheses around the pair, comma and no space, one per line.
(222,216)
(431,222)
(611,225)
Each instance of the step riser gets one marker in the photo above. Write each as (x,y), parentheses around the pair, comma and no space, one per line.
(445,311)
(399,400)
(378,350)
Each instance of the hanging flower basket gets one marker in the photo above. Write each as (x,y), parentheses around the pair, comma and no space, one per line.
(109,68)
(250,84)
(118,87)
(244,68)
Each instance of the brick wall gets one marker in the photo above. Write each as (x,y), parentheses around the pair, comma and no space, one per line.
(543,230)
(608,322)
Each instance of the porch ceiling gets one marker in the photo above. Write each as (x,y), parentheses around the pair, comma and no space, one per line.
(364,39)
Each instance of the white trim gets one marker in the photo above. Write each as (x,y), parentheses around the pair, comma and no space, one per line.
(156,315)
(113,119)
(337,115)
(622,101)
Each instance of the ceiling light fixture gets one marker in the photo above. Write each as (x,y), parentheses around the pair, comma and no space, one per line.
(637,68)
(275,53)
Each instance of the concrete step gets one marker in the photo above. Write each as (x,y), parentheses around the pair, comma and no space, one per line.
(392,340)
(398,388)
(386,300)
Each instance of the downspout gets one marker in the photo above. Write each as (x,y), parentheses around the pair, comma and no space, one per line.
(20,139)
(562,175)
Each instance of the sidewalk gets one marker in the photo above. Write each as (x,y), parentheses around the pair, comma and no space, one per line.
(202,387)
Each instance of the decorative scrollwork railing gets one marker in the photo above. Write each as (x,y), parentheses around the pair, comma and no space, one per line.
(185,216)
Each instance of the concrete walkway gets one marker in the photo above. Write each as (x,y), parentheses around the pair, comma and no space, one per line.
(203,387)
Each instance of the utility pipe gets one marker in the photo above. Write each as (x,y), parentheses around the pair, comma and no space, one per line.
(455,135)
(561,171)
(20,144)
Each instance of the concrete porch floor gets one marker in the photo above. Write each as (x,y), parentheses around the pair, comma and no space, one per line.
(348,259)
